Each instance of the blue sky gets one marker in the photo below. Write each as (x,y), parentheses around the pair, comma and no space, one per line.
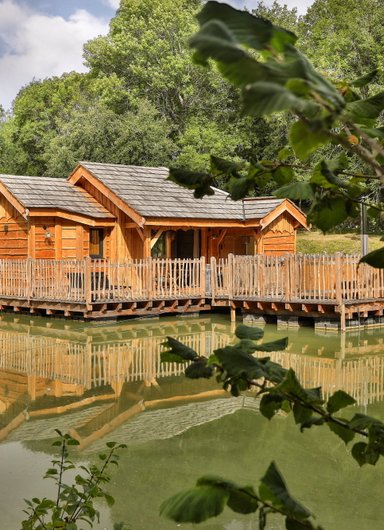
(43,38)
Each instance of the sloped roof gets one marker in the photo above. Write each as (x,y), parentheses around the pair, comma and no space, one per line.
(146,190)
(53,193)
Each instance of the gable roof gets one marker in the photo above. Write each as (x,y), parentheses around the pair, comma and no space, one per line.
(150,194)
(52,193)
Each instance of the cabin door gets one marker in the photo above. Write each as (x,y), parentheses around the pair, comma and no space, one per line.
(186,244)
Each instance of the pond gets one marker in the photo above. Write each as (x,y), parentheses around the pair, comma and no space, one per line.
(105,382)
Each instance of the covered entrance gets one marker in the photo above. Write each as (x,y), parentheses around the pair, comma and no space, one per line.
(182,244)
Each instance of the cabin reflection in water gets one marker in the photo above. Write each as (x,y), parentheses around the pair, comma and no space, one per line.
(97,376)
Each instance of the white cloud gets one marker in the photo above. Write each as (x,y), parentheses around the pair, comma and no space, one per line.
(115,4)
(39,46)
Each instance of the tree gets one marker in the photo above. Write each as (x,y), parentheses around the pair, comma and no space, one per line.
(352,31)
(147,48)
(139,137)
(37,109)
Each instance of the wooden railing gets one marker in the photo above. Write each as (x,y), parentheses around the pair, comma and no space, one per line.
(296,277)
(88,281)
(288,278)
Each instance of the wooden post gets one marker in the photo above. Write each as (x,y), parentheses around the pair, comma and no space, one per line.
(147,243)
(342,318)
(230,276)
(168,244)
(213,278)
(203,277)
(30,277)
(287,278)
(150,278)
(339,294)
(233,313)
(87,264)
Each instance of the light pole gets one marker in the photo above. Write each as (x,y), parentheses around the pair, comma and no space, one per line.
(363,229)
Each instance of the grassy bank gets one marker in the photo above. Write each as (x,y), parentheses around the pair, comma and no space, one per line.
(315,242)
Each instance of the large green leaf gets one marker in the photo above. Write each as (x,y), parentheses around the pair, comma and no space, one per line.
(238,188)
(293,524)
(199,369)
(306,138)
(374,259)
(342,432)
(195,505)
(328,212)
(179,351)
(292,387)
(339,400)
(200,182)
(276,345)
(247,332)
(365,79)
(359,453)
(362,421)
(270,404)
(236,362)
(366,109)
(263,98)
(273,489)
(215,41)
(243,500)
(221,166)
(301,413)
(251,31)
(317,82)
(300,191)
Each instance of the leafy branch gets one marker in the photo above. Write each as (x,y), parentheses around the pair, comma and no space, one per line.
(73,502)
(237,369)
(211,494)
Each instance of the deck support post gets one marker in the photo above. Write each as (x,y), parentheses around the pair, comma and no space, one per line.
(284,321)
(233,314)
(343,325)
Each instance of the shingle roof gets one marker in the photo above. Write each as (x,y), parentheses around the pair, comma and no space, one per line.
(146,190)
(55,193)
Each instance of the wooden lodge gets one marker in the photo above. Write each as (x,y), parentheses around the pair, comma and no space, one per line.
(118,241)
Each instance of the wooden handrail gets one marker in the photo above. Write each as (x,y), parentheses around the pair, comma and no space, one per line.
(288,278)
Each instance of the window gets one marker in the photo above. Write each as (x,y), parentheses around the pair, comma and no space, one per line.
(96,240)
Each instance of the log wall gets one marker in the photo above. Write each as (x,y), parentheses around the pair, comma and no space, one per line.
(13,232)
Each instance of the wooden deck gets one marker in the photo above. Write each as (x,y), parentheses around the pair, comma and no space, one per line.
(332,287)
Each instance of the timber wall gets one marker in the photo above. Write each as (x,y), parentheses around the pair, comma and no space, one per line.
(13,232)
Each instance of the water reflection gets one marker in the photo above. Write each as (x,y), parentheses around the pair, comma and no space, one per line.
(104,382)
(104,374)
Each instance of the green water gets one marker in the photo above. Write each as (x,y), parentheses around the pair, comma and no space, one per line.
(70,375)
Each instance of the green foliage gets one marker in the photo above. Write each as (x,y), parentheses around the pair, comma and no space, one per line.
(139,137)
(271,75)
(238,370)
(211,494)
(74,502)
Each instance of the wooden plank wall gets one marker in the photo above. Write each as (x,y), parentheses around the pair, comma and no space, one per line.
(44,247)
(14,238)
(133,244)
(279,237)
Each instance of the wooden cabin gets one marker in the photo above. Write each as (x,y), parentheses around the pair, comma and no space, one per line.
(117,212)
